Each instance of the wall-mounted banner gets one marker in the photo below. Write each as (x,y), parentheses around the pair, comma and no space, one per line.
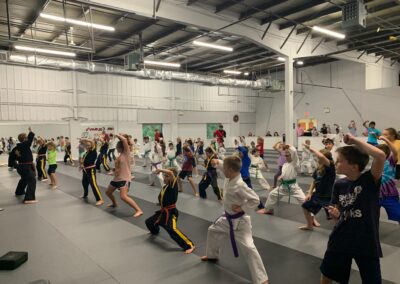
(94,131)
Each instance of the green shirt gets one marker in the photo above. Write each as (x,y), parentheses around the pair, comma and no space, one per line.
(51,157)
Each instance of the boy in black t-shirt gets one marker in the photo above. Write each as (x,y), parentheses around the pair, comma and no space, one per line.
(355,208)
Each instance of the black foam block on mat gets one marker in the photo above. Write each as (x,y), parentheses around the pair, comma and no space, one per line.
(13,260)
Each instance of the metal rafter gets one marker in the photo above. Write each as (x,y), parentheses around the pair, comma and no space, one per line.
(246,65)
(307,18)
(133,32)
(33,16)
(226,5)
(291,11)
(265,6)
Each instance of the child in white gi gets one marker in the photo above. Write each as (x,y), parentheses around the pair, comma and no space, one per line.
(238,199)
(171,162)
(288,186)
(307,164)
(156,159)
(221,151)
(147,151)
(257,164)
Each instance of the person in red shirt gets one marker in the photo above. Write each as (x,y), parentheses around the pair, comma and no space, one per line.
(157,135)
(260,149)
(220,134)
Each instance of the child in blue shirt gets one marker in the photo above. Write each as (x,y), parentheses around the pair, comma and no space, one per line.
(373,133)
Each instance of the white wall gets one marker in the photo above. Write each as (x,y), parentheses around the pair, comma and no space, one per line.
(46,96)
(339,86)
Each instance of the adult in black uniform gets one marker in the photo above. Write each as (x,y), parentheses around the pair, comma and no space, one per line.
(22,158)
(168,215)
(89,171)
(41,160)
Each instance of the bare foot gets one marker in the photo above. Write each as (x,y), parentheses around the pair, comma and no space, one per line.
(306,228)
(196,194)
(111,205)
(98,203)
(54,187)
(30,201)
(189,251)
(261,211)
(205,258)
(138,214)
(265,211)
(316,224)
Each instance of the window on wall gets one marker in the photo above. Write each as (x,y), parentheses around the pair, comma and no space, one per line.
(149,129)
(211,127)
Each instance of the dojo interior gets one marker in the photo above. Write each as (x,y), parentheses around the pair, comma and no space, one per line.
(72,68)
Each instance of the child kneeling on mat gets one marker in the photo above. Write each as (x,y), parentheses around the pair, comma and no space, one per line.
(167,216)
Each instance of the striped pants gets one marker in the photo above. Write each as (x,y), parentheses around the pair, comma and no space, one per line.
(41,168)
(170,226)
(89,177)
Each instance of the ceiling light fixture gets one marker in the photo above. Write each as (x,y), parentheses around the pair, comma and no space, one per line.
(215,46)
(47,51)
(159,63)
(246,73)
(233,72)
(299,62)
(77,22)
(328,32)
(281,59)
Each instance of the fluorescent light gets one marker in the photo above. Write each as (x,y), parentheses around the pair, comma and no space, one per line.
(232,72)
(76,22)
(215,46)
(299,62)
(159,63)
(246,73)
(328,32)
(281,59)
(47,51)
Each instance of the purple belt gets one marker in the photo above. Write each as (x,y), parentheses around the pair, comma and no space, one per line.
(230,217)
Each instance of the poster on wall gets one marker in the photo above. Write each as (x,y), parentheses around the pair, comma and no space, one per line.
(91,132)
(149,129)
(211,127)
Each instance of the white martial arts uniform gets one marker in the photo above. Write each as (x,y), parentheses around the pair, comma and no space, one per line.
(307,164)
(289,183)
(156,159)
(236,192)
(171,160)
(146,153)
(221,153)
(257,163)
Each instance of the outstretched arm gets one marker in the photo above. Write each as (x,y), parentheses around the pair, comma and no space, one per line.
(124,141)
(321,157)
(167,172)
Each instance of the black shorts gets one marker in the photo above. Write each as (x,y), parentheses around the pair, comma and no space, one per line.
(337,267)
(184,174)
(120,184)
(52,169)
(315,204)
(397,171)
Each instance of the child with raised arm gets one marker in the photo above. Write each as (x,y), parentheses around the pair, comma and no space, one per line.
(389,197)
(355,208)
(167,216)
(307,163)
(238,200)
(210,176)
(187,168)
(52,160)
(320,192)
(123,177)
(257,164)
(289,186)
(88,167)
(156,159)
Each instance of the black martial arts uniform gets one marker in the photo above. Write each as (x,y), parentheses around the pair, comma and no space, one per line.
(89,174)
(41,162)
(209,177)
